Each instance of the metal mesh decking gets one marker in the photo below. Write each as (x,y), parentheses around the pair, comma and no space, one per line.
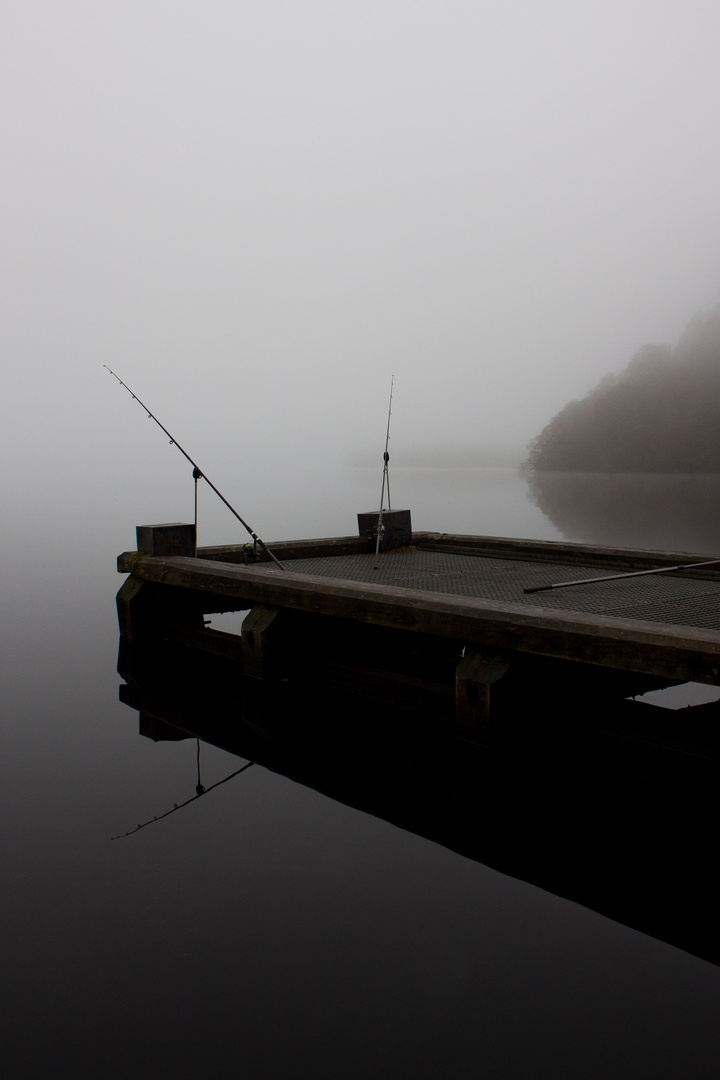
(657,598)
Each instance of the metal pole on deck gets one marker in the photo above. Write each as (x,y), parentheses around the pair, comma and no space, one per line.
(385,481)
(616,577)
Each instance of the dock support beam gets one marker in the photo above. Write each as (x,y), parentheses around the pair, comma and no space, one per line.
(262,645)
(477,689)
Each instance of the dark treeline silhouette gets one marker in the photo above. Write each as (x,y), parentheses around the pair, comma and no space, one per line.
(661,414)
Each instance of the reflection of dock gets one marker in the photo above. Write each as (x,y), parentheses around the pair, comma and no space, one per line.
(446,616)
(573,812)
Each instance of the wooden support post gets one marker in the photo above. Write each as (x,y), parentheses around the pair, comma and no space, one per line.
(130,605)
(262,633)
(476,692)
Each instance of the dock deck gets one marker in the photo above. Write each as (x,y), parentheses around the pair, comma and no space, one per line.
(661,598)
(457,600)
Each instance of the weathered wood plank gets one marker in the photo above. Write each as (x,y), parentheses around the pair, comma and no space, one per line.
(215,642)
(632,645)
(241,554)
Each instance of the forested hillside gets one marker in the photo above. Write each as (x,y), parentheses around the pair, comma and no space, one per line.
(661,414)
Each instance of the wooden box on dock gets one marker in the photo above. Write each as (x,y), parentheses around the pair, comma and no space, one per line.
(174,538)
(397,526)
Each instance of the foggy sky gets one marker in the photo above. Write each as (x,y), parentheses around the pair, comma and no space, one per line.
(258,213)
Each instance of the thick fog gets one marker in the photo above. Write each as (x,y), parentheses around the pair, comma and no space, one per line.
(258,213)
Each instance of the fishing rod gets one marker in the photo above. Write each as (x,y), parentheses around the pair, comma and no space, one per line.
(197,472)
(386,480)
(616,577)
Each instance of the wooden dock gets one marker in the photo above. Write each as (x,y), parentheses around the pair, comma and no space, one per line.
(446,615)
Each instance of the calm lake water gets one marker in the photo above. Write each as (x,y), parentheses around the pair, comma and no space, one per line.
(267,930)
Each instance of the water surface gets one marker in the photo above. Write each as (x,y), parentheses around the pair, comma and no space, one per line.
(267,929)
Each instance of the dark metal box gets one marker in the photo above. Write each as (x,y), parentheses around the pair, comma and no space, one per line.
(174,538)
(397,525)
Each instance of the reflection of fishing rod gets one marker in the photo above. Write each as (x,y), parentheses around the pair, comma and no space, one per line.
(179,806)
(197,473)
(386,480)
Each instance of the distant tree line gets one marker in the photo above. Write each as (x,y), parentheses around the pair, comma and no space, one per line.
(661,414)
